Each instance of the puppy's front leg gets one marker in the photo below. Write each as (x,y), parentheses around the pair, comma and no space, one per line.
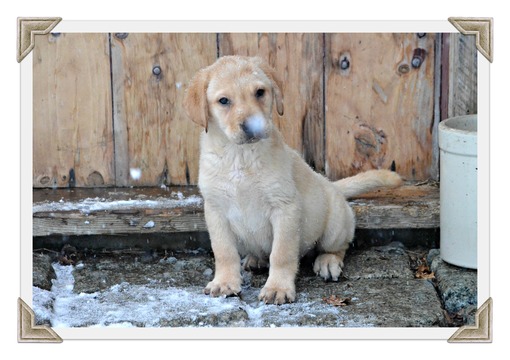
(227,276)
(284,259)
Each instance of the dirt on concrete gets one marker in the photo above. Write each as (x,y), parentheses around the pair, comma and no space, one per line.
(160,288)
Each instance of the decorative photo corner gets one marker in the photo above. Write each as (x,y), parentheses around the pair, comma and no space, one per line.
(481,331)
(28,331)
(482,28)
(30,28)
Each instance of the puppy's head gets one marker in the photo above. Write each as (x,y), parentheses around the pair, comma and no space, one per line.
(236,94)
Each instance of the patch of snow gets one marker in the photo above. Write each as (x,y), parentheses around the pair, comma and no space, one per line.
(152,305)
(101,204)
(122,305)
(124,324)
(178,194)
(149,224)
(256,123)
(43,303)
(135,173)
(255,314)
(208,272)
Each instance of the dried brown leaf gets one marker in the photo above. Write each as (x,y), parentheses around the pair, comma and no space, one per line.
(423,272)
(337,301)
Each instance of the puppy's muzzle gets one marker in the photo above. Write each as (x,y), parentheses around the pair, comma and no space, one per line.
(254,128)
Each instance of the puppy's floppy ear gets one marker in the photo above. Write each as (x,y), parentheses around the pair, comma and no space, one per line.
(275,82)
(195,99)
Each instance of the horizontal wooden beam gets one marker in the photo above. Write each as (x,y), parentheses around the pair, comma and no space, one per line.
(107,211)
(413,206)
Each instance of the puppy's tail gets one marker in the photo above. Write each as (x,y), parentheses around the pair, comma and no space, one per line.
(368,181)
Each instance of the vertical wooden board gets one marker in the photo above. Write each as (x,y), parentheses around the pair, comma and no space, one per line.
(72,116)
(462,73)
(152,132)
(379,107)
(298,61)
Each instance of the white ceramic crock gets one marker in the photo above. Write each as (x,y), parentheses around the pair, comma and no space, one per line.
(458,190)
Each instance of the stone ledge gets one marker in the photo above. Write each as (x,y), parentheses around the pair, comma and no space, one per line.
(457,287)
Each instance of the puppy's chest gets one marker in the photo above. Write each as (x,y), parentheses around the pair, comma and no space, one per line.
(240,185)
(233,175)
(241,189)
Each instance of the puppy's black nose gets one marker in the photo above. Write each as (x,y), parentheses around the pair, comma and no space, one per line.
(250,134)
(254,128)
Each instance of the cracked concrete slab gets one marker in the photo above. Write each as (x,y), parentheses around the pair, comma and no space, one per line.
(158,289)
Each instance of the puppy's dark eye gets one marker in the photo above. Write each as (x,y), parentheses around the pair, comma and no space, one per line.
(259,93)
(224,101)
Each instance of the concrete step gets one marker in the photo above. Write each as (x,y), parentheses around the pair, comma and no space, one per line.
(132,288)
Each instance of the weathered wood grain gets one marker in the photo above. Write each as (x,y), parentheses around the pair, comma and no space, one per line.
(462,75)
(152,132)
(111,222)
(72,116)
(409,207)
(298,61)
(352,102)
(379,107)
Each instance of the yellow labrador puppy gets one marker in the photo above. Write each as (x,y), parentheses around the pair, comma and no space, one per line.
(261,200)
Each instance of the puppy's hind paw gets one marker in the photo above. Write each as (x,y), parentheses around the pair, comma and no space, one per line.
(328,266)
(252,263)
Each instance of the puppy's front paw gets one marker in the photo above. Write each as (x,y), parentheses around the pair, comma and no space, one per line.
(277,296)
(219,287)
(328,266)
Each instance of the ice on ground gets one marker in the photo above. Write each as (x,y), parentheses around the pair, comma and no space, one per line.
(160,305)
(42,304)
(122,305)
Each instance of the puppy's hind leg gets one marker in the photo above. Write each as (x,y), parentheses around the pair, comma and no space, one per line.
(335,242)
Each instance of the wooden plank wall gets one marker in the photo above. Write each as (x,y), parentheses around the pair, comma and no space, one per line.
(152,133)
(298,60)
(108,103)
(380,108)
(72,118)
(462,74)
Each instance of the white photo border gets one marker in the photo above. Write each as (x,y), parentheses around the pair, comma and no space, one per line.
(256,26)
